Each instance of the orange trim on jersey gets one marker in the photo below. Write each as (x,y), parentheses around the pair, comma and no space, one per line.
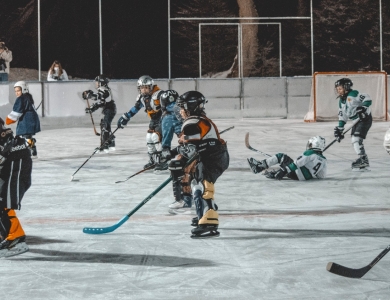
(9,121)
(204,127)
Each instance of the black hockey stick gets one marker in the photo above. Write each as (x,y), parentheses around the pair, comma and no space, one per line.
(355,273)
(152,166)
(101,230)
(94,152)
(139,172)
(251,148)
(345,131)
(93,123)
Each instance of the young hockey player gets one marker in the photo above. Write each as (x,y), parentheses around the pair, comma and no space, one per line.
(354,105)
(15,180)
(200,137)
(104,99)
(148,97)
(24,112)
(311,164)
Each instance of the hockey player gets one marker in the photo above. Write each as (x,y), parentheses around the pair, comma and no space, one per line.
(24,112)
(148,97)
(15,180)
(354,105)
(200,137)
(104,99)
(311,164)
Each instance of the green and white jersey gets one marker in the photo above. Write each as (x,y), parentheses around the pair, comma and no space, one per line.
(347,107)
(311,164)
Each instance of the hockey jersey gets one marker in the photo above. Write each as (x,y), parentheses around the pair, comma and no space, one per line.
(311,164)
(348,106)
(151,104)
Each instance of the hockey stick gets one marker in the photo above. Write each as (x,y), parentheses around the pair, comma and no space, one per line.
(101,230)
(355,273)
(344,132)
(93,123)
(251,148)
(94,152)
(139,172)
(143,170)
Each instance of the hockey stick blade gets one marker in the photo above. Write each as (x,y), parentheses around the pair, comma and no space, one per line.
(139,172)
(355,273)
(251,148)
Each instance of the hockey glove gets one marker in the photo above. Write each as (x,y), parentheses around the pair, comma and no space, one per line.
(92,108)
(123,120)
(361,112)
(280,174)
(86,94)
(338,133)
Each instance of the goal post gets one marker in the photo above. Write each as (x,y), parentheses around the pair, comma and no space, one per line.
(323,98)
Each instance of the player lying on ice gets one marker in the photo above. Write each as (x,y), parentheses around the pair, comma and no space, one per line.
(311,164)
(200,137)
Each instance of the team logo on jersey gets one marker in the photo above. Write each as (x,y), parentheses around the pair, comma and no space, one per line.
(349,99)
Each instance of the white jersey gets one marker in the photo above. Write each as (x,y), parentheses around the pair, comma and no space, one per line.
(347,107)
(309,165)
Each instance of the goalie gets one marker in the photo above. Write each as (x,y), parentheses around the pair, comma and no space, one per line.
(311,164)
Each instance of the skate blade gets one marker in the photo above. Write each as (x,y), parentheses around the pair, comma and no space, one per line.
(18,249)
(210,234)
(180,211)
(365,169)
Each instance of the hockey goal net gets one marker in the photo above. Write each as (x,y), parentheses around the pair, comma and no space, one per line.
(324,106)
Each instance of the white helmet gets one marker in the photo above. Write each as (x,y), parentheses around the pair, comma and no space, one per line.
(145,80)
(316,143)
(23,85)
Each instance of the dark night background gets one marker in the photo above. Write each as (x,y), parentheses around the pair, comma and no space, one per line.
(135,36)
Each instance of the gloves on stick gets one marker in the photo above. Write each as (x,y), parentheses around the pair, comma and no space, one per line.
(123,120)
(338,133)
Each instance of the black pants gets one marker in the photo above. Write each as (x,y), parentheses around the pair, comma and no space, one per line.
(105,125)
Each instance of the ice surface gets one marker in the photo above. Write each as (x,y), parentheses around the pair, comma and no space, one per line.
(276,237)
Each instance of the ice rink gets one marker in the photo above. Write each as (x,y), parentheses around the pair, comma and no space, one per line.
(276,236)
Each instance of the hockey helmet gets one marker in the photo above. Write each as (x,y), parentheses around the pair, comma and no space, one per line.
(167,97)
(346,83)
(145,80)
(316,143)
(102,80)
(192,101)
(23,86)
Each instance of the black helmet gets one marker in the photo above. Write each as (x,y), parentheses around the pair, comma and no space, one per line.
(167,97)
(192,101)
(346,83)
(102,79)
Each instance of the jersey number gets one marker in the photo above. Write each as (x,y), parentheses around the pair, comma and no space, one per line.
(316,168)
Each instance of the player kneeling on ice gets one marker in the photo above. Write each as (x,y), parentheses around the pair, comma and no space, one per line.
(15,180)
(311,164)
(354,105)
(200,137)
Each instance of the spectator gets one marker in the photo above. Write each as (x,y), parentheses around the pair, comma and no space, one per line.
(5,59)
(57,73)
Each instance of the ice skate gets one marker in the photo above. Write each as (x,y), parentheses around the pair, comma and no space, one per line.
(195,221)
(181,207)
(257,166)
(161,168)
(205,231)
(14,247)
(111,149)
(150,163)
(361,164)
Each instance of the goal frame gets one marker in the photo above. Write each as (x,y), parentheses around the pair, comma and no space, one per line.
(345,74)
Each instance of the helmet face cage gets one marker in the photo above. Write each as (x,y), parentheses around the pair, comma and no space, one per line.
(145,80)
(316,143)
(192,101)
(102,80)
(346,83)
(23,86)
